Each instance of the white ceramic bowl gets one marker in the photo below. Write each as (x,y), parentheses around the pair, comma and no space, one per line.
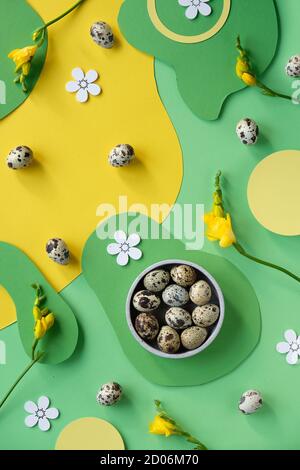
(131,313)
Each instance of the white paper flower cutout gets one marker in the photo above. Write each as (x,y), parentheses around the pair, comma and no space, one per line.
(125,247)
(194,7)
(84,84)
(40,414)
(290,347)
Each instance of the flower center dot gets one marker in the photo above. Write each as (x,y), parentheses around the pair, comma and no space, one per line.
(40,413)
(294,347)
(196,2)
(83,84)
(125,247)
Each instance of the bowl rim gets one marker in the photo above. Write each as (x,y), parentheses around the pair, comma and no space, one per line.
(186,354)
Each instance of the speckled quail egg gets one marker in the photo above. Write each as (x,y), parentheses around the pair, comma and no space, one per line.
(168,340)
(157,280)
(147,326)
(19,157)
(178,318)
(200,293)
(175,296)
(102,34)
(293,66)
(206,315)
(193,337)
(146,301)
(121,155)
(58,251)
(250,402)
(247,131)
(183,275)
(109,394)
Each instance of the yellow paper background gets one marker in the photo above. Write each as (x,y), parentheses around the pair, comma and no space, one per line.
(273,192)
(89,434)
(59,194)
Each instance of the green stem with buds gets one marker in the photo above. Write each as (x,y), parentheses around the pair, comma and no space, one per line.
(39,33)
(238,246)
(265,89)
(178,431)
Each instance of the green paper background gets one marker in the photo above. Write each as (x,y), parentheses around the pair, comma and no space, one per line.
(60,342)
(17,23)
(204,71)
(209,411)
(241,328)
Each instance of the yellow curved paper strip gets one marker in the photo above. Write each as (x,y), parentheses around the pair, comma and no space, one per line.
(273,192)
(163,29)
(58,196)
(7,309)
(89,434)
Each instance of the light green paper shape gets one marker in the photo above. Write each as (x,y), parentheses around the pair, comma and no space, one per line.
(17,273)
(18,20)
(205,71)
(111,282)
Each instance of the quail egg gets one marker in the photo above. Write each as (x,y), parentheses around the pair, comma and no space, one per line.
(247,131)
(121,155)
(193,337)
(146,301)
(200,293)
(102,34)
(58,251)
(168,340)
(178,318)
(206,315)
(157,280)
(250,402)
(109,394)
(184,275)
(175,296)
(147,326)
(293,66)
(19,157)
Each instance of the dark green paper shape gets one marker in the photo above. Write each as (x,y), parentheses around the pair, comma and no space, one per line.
(242,325)
(205,71)
(17,273)
(18,20)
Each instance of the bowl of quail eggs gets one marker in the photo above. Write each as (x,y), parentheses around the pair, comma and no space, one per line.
(175,309)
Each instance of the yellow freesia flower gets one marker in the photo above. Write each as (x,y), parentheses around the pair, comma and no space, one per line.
(249,79)
(39,329)
(220,229)
(162,427)
(37,314)
(22,56)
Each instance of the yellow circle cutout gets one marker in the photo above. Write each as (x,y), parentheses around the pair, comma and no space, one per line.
(89,434)
(151,4)
(273,192)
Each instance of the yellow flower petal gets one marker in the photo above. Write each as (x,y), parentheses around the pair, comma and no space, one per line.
(162,427)
(219,229)
(37,314)
(49,321)
(39,329)
(22,56)
(249,79)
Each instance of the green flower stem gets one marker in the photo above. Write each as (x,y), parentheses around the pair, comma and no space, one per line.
(267,91)
(36,359)
(178,429)
(58,18)
(241,250)
(36,341)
